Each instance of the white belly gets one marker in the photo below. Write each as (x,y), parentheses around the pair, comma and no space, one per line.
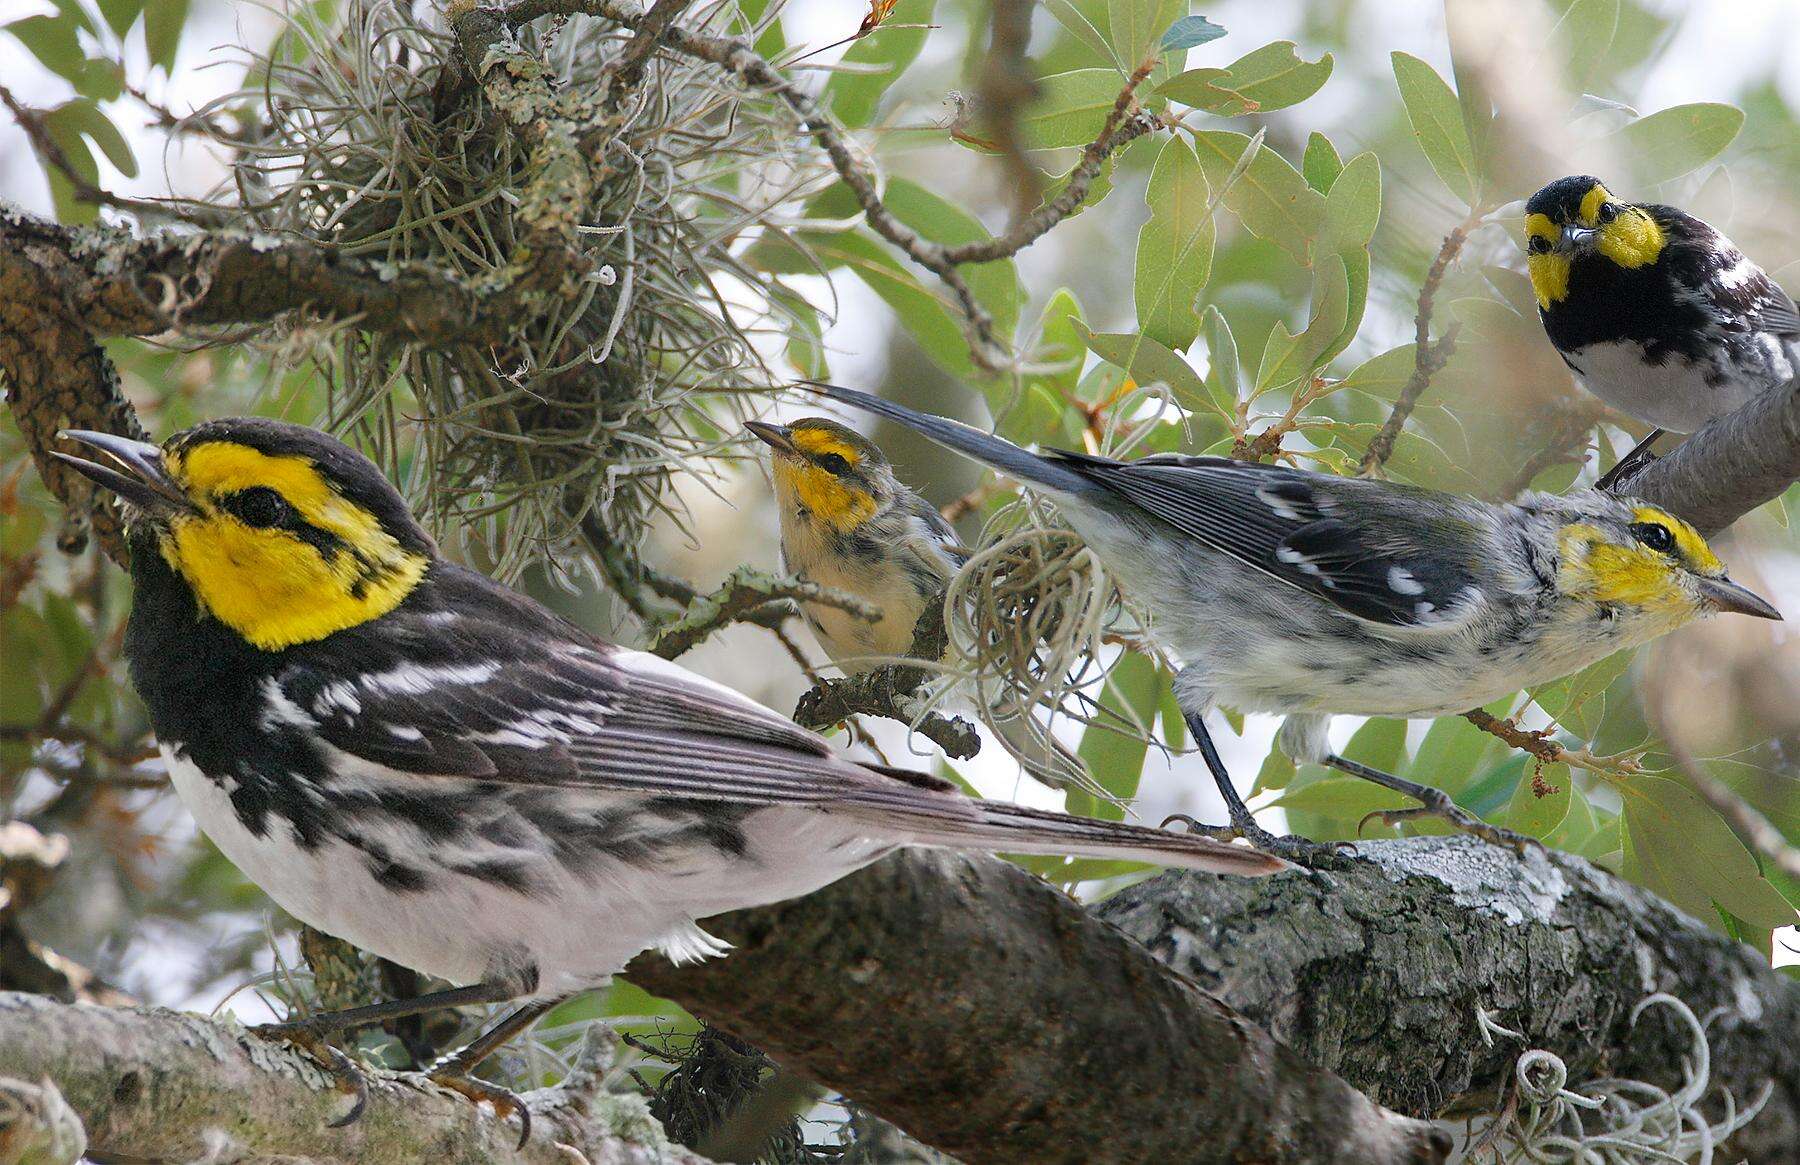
(576,926)
(1673,395)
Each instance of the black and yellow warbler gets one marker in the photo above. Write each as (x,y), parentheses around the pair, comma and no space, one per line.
(414,758)
(1310,595)
(849,522)
(1657,313)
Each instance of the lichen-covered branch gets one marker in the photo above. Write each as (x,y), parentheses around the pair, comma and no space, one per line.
(884,691)
(154,1084)
(1377,971)
(1545,747)
(746,594)
(1731,466)
(992,1017)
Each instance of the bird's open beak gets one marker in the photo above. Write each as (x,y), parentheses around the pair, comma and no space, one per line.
(1721,594)
(144,484)
(779,437)
(1577,239)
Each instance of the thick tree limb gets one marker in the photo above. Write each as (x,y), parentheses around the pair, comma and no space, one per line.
(1731,466)
(1377,972)
(149,1083)
(991,1016)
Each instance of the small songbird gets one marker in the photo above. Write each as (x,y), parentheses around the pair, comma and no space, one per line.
(409,756)
(848,522)
(1655,311)
(1310,595)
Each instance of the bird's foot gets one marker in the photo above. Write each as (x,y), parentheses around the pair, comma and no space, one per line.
(1443,808)
(310,1038)
(450,1072)
(1299,850)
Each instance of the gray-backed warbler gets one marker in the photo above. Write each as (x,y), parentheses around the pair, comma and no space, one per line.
(1301,593)
(849,522)
(1656,312)
(441,771)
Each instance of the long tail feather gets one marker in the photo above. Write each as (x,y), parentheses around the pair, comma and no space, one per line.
(983,447)
(957,822)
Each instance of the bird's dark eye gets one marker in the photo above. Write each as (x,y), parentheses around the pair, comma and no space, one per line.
(1655,535)
(1607,212)
(257,506)
(1538,245)
(834,463)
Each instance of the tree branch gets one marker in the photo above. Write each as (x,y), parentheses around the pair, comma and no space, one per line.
(1376,972)
(744,595)
(989,1015)
(149,1083)
(1731,466)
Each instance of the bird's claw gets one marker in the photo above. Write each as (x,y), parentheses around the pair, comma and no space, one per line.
(1299,850)
(310,1039)
(506,1103)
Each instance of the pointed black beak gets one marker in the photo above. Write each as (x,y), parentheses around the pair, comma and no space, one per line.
(778,437)
(1576,239)
(1721,594)
(144,484)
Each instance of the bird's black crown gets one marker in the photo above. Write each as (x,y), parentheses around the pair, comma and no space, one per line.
(1561,200)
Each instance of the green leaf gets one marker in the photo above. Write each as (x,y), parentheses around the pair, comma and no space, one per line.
(1353,205)
(853,97)
(1379,743)
(1087,22)
(1174,248)
(1270,78)
(1437,124)
(1282,361)
(1277,772)
(52,40)
(1321,164)
(121,14)
(1148,362)
(1683,850)
(1674,141)
(1138,27)
(163,21)
(1061,341)
(1383,376)
(1529,813)
(1098,188)
(1070,110)
(1116,759)
(1585,30)
(101,80)
(1345,798)
(1223,379)
(996,285)
(1271,198)
(926,317)
(84,117)
(1190,32)
(1572,701)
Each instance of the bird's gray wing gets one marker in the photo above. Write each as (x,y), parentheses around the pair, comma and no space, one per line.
(1384,553)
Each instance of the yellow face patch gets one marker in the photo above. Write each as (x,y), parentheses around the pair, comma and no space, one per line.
(1632,574)
(820,442)
(1689,545)
(1632,239)
(1549,270)
(278,586)
(842,506)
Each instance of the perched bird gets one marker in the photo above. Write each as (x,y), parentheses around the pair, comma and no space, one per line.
(439,770)
(1656,312)
(1310,595)
(848,522)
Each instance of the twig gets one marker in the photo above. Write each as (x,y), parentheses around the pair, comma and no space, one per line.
(1006,87)
(1428,358)
(745,593)
(1543,746)
(883,690)
(975,499)
(736,56)
(630,67)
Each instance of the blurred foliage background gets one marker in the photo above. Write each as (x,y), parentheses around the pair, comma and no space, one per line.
(1258,262)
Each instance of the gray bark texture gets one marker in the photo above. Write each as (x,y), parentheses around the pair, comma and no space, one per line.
(158,1085)
(993,1017)
(1731,466)
(1377,972)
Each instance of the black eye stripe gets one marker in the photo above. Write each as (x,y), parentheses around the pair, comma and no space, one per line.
(1538,245)
(834,463)
(1655,536)
(258,506)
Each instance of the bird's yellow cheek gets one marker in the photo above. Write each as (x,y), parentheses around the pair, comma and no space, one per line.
(1632,577)
(1549,277)
(1632,240)
(829,499)
(275,590)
